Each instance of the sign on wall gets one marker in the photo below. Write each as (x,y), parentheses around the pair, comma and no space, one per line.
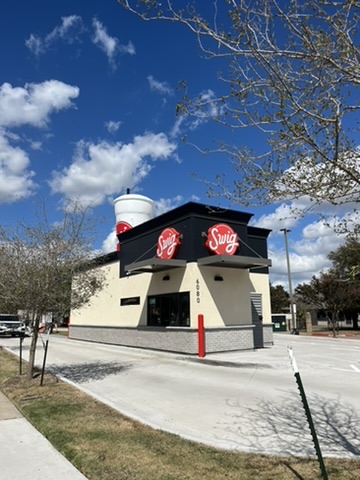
(129,301)
(168,244)
(222,240)
(197,291)
(122,227)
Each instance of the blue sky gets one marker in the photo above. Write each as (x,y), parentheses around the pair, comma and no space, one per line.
(87,109)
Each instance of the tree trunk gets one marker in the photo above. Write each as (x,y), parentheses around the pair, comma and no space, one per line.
(334,320)
(34,338)
(355,319)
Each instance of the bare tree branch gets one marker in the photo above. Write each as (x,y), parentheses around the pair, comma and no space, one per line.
(291,69)
(38,263)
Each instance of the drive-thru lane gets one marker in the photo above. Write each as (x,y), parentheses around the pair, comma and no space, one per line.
(242,400)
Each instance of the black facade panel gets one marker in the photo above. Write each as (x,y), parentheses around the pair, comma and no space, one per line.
(258,242)
(192,221)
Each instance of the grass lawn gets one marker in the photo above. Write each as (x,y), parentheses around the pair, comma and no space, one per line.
(105,445)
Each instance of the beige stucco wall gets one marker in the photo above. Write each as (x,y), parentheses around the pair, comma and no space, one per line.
(103,306)
(225,303)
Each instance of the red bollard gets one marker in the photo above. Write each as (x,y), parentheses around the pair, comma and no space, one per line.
(201,336)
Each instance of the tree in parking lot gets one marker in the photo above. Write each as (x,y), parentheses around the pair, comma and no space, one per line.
(346,262)
(327,292)
(38,263)
(346,259)
(338,289)
(279,299)
(10,307)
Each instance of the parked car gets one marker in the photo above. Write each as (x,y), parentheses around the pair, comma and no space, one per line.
(4,329)
(12,325)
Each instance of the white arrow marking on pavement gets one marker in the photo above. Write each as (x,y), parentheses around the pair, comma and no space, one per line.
(355,368)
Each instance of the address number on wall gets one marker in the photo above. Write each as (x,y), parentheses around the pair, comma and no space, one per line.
(197,288)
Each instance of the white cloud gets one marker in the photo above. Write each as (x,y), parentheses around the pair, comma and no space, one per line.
(329,185)
(317,229)
(332,217)
(106,43)
(109,244)
(176,129)
(308,243)
(33,103)
(165,204)
(282,217)
(204,107)
(112,126)
(308,253)
(29,105)
(160,87)
(103,169)
(207,101)
(68,31)
(195,198)
(309,246)
(110,45)
(302,267)
(317,240)
(35,145)
(36,45)
(15,178)
(305,205)
(128,49)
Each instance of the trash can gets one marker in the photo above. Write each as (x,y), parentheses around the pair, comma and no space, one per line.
(278,322)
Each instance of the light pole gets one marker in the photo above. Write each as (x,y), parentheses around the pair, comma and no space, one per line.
(293,320)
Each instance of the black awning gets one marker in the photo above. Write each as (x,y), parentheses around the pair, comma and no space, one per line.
(153,265)
(233,261)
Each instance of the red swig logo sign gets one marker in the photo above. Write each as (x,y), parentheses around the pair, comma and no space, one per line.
(168,244)
(222,240)
(122,227)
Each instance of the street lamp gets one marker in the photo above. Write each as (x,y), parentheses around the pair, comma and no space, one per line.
(292,311)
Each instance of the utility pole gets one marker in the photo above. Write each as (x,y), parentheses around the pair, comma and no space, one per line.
(292,311)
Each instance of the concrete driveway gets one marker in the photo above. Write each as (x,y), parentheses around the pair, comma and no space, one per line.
(246,401)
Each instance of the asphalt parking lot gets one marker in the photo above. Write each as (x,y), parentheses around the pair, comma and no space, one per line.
(245,401)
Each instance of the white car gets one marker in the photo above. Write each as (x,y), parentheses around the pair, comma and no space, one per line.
(3,329)
(23,330)
(11,325)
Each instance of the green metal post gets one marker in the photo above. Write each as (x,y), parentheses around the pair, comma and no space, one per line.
(308,415)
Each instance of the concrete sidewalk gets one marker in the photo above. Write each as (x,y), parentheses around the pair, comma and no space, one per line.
(25,453)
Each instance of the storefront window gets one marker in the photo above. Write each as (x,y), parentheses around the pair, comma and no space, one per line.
(170,310)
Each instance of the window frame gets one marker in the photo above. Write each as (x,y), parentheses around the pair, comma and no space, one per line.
(161,308)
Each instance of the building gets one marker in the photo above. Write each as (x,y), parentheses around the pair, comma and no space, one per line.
(196,261)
